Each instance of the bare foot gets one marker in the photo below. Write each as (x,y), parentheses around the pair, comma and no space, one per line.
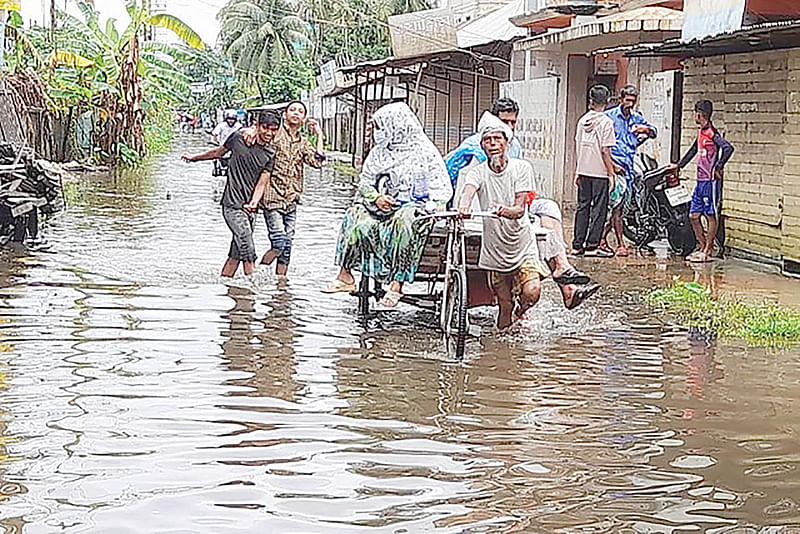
(505,317)
(346,277)
(271,255)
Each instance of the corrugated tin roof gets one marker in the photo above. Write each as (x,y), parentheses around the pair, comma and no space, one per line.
(642,19)
(758,37)
(495,26)
(491,28)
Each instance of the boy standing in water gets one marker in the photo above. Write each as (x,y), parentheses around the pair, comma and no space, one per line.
(594,140)
(251,162)
(712,152)
(286,183)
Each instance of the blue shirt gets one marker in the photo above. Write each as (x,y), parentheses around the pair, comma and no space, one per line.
(471,148)
(627,141)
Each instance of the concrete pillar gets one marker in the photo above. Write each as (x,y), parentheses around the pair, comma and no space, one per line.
(579,70)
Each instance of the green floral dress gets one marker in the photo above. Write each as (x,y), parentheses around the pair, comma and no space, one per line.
(388,249)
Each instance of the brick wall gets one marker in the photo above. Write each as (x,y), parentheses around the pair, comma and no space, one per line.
(791,188)
(749,92)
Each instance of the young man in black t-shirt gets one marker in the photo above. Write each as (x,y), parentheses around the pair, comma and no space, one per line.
(252,158)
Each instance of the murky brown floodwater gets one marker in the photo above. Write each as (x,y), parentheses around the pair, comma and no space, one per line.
(139,395)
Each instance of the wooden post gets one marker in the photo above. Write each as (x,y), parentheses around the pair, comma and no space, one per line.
(353,132)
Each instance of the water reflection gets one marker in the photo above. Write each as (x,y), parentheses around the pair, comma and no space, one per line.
(143,396)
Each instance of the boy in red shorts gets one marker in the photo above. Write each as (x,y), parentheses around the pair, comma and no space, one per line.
(712,152)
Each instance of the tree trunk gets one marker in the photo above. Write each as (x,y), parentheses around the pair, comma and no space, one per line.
(132,94)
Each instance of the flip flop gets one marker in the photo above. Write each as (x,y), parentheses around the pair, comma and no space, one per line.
(572,276)
(702,258)
(598,253)
(623,252)
(390,299)
(340,287)
(582,294)
(696,257)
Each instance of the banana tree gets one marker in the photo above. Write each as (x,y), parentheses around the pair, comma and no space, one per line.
(116,74)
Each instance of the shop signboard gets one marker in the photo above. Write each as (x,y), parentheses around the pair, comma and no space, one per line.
(423,32)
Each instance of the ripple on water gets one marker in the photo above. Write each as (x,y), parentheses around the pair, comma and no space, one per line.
(137,387)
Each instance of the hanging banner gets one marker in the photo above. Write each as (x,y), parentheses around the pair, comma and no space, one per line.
(9,5)
(703,18)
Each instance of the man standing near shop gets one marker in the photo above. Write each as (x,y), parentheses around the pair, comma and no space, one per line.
(631,130)
(286,182)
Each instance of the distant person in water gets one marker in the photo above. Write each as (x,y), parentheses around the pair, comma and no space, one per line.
(252,158)
(293,153)
(224,129)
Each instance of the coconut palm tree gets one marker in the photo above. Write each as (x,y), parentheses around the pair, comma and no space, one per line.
(259,34)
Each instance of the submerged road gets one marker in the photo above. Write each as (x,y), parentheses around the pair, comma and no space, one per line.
(137,394)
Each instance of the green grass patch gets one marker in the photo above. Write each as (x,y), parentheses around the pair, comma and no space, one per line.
(760,323)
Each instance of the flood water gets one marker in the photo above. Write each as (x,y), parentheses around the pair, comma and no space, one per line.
(137,394)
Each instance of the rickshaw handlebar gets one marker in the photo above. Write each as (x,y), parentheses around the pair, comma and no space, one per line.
(455,214)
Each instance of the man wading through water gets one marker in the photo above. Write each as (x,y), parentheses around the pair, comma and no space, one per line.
(286,183)
(252,158)
(508,249)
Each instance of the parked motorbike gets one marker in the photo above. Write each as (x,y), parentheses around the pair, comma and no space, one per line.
(658,207)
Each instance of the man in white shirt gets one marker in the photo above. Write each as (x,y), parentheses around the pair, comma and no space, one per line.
(508,249)
(224,129)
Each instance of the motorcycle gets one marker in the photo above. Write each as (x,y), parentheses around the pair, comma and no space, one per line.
(658,207)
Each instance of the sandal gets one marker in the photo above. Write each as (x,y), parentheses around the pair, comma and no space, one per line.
(604,246)
(571,276)
(338,286)
(700,258)
(598,253)
(390,299)
(581,295)
(623,252)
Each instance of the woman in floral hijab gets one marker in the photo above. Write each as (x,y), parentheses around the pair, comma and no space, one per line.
(383,234)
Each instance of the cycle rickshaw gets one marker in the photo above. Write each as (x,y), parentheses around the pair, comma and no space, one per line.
(451,277)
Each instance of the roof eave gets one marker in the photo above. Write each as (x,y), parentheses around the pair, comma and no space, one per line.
(759,38)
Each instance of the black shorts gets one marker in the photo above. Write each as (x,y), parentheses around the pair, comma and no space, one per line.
(241,224)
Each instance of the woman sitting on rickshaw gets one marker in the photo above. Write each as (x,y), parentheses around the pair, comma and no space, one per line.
(384,233)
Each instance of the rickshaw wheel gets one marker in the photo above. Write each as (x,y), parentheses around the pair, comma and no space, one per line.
(455,324)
